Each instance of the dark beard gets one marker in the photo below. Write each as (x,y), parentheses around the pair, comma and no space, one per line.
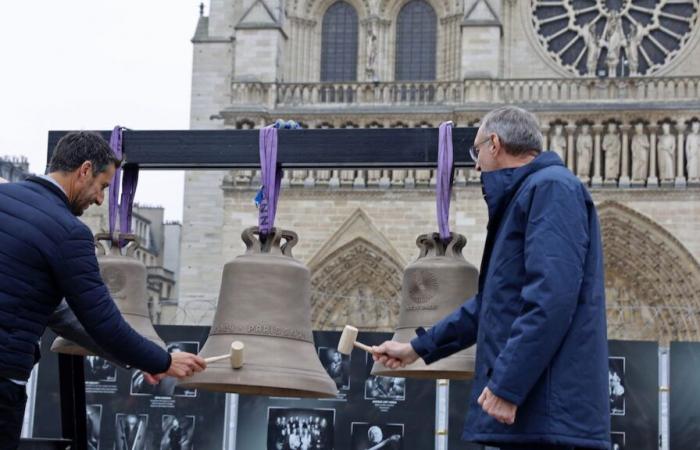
(76,209)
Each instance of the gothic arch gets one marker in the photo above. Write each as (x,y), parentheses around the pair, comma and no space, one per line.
(652,281)
(390,9)
(315,9)
(358,284)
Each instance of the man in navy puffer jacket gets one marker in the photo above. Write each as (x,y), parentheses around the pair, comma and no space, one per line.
(47,254)
(538,318)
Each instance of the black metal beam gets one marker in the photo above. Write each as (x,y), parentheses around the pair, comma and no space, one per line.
(318,148)
(71,378)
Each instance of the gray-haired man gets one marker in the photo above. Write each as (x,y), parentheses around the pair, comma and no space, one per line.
(538,318)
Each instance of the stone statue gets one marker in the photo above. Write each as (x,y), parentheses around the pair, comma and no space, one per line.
(558,142)
(584,152)
(667,151)
(613,149)
(635,41)
(615,39)
(640,154)
(591,42)
(692,151)
(371,68)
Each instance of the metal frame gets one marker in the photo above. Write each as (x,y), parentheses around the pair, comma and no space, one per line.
(220,149)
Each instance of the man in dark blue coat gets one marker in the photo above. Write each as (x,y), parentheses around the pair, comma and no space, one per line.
(47,254)
(538,318)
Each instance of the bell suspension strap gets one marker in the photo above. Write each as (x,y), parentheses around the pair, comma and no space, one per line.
(444,179)
(127,179)
(271,175)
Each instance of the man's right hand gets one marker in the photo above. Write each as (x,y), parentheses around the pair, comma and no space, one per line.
(185,365)
(394,354)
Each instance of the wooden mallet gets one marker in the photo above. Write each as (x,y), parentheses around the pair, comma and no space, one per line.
(348,340)
(236,355)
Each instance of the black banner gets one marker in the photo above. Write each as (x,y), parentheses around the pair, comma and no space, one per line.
(369,413)
(460,393)
(685,396)
(126,413)
(633,374)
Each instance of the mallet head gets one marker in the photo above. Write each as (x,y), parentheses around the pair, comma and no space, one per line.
(347,340)
(237,354)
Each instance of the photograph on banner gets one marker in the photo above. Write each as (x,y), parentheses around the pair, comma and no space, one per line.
(99,370)
(384,392)
(130,431)
(178,432)
(374,436)
(633,375)
(93,414)
(616,378)
(337,366)
(168,386)
(300,428)
(617,440)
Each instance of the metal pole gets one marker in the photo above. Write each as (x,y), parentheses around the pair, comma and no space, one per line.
(71,378)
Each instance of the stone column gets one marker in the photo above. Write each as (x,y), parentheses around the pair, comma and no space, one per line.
(597,180)
(680,153)
(334,182)
(625,169)
(570,152)
(653,180)
(545,136)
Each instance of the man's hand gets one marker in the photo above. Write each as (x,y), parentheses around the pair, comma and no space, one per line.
(496,407)
(183,365)
(153,379)
(394,354)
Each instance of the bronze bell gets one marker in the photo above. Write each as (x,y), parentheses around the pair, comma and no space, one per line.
(264,307)
(439,281)
(125,277)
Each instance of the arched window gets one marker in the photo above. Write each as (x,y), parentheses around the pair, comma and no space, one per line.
(339,43)
(416,42)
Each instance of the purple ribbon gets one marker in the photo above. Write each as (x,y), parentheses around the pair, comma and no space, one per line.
(128,184)
(271,179)
(444,179)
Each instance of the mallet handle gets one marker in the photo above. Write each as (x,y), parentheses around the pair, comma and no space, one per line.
(212,359)
(364,347)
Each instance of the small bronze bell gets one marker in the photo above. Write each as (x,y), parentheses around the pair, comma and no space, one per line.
(125,277)
(264,305)
(434,285)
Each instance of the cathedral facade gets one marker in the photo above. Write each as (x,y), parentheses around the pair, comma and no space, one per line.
(615,85)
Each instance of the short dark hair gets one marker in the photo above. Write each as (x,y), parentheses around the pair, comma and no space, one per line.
(76,147)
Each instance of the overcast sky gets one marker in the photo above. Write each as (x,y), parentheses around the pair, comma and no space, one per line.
(92,64)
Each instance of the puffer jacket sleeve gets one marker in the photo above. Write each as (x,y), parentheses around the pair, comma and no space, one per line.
(556,243)
(455,332)
(78,274)
(64,323)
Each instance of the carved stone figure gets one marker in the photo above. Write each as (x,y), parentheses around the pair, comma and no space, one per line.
(640,153)
(591,41)
(667,151)
(615,37)
(692,151)
(371,68)
(558,142)
(635,41)
(584,152)
(612,148)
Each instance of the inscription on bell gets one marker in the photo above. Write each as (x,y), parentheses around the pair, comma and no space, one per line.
(114,279)
(261,329)
(423,286)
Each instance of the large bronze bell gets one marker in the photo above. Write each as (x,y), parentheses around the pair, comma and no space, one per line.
(125,277)
(264,303)
(434,285)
